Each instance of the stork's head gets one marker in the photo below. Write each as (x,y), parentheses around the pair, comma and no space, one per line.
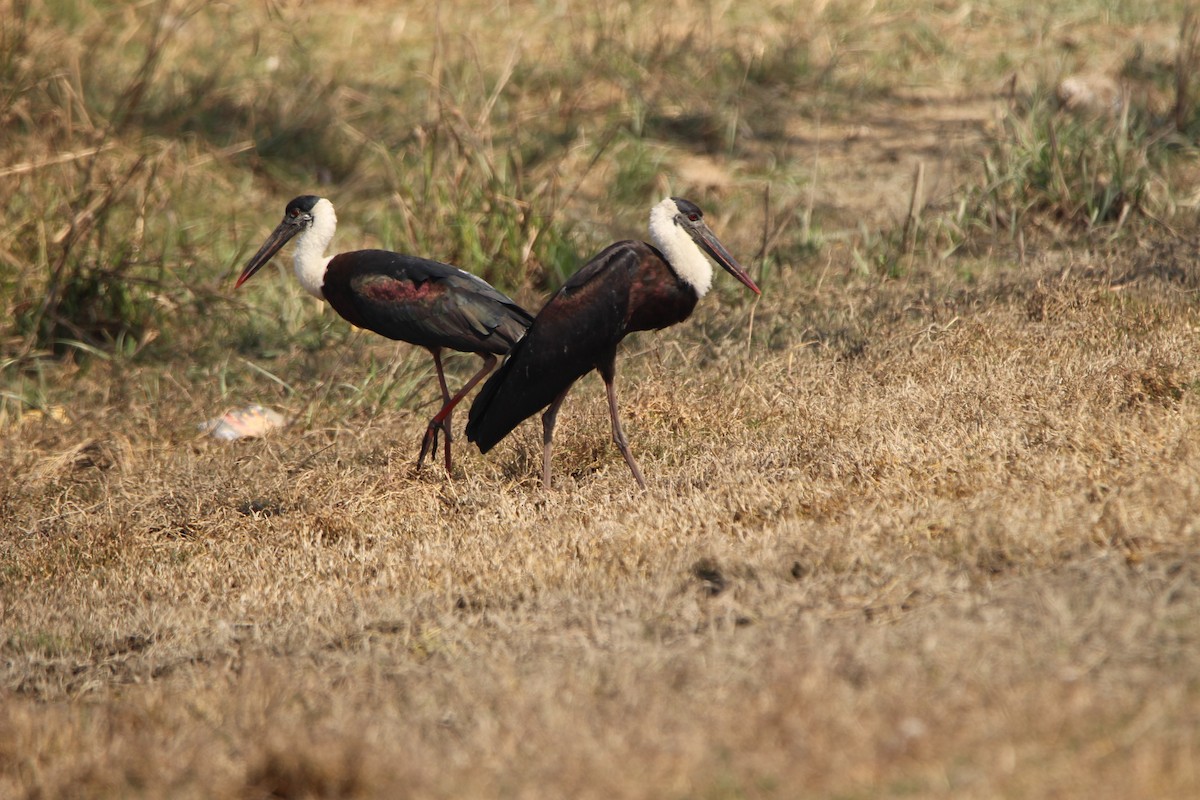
(298,218)
(677,223)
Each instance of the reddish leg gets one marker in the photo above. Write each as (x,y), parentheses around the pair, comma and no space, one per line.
(441,420)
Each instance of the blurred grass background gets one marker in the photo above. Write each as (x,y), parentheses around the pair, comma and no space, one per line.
(149,145)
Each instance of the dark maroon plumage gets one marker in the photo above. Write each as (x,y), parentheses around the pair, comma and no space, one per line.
(422,302)
(627,287)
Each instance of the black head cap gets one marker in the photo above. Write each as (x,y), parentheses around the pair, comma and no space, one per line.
(303,204)
(688,208)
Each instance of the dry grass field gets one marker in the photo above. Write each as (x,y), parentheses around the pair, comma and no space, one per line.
(922,521)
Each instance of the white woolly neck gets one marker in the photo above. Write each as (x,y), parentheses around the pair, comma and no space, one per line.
(310,258)
(684,257)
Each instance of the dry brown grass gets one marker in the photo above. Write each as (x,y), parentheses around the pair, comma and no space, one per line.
(932,535)
(959,563)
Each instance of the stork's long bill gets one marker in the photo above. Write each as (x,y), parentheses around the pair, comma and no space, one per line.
(707,240)
(282,234)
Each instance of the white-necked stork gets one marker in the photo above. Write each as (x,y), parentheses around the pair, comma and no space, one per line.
(406,298)
(629,286)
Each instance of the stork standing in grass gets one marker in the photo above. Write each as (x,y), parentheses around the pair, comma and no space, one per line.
(406,298)
(629,286)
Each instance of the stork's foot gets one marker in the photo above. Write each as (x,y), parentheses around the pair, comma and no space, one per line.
(429,444)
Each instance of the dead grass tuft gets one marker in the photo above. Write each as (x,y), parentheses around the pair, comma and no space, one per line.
(1161,385)
(330,768)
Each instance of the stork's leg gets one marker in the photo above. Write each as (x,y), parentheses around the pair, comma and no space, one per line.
(548,420)
(442,420)
(607,369)
(447,408)
(429,445)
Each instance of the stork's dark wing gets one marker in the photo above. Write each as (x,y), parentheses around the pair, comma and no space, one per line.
(423,302)
(580,324)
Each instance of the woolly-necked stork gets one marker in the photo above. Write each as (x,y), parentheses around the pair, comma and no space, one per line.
(406,298)
(629,286)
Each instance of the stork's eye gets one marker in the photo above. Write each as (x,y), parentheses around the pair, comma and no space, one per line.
(295,212)
(693,217)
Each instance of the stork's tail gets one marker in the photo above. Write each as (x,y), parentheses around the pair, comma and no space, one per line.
(484,428)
